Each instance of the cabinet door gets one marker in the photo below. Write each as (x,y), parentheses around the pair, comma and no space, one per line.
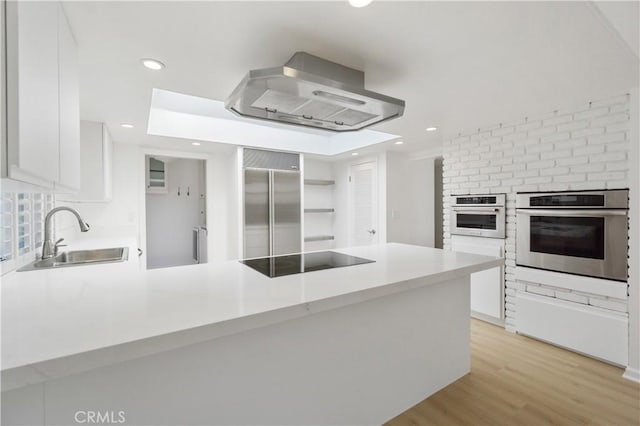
(486,286)
(3,94)
(95,164)
(257,229)
(157,176)
(69,106)
(107,164)
(32,92)
(287,232)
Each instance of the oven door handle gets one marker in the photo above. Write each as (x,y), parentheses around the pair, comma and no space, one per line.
(589,213)
(476,210)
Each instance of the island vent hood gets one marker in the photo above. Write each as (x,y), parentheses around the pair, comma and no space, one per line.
(311,91)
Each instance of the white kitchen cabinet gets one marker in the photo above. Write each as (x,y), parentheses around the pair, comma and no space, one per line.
(32,92)
(157,176)
(96,153)
(42,96)
(487,287)
(587,329)
(3,95)
(69,107)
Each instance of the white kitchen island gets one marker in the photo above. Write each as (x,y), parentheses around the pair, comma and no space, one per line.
(223,344)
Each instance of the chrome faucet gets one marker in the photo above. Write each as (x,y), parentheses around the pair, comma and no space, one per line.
(49,248)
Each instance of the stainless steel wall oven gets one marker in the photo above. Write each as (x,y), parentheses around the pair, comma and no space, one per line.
(582,232)
(478,215)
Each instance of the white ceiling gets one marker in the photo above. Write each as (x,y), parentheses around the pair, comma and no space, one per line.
(458,65)
(622,18)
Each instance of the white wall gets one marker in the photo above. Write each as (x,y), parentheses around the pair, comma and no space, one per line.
(223,211)
(406,186)
(170,217)
(123,217)
(584,147)
(410,195)
(633,369)
(118,218)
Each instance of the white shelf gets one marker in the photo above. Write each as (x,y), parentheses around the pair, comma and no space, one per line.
(319,182)
(319,210)
(319,238)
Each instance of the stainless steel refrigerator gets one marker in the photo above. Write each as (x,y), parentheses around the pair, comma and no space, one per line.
(272,203)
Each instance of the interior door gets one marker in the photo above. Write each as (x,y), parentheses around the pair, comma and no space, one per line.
(363,200)
(287,231)
(256,213)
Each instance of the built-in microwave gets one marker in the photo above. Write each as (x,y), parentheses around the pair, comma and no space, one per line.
(478,215)
(583,232)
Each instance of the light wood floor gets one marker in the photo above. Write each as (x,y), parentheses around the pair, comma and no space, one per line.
(515,380)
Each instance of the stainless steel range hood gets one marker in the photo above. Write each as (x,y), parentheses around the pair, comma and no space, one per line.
(311,91)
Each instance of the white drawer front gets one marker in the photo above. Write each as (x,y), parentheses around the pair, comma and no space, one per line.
(592,331)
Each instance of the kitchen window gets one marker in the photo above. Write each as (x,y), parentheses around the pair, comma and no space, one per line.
(8,230)
(22,227)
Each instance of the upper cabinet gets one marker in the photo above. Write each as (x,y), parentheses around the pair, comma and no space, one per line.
(96,152)
(3,95)
(42,103)
(69,106)
(157,175)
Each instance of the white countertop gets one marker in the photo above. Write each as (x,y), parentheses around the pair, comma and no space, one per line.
(118,311)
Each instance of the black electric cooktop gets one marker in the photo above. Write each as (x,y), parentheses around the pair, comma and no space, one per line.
(278,266)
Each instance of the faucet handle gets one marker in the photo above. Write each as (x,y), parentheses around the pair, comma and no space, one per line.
(57,244)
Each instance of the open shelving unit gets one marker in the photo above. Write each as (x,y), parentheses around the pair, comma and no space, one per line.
(319,209)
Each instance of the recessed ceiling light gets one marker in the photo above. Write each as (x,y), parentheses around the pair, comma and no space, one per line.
(354,153)
(152,64)
(431,129)
(359,3)
(127,125)
(399,143)
(195,143)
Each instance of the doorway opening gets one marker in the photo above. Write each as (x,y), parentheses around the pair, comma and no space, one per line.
(175,208)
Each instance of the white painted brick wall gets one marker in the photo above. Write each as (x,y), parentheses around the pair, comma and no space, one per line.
(586,147)
(572,296)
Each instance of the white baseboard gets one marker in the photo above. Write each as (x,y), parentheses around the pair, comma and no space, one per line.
(487,318)
(632,374)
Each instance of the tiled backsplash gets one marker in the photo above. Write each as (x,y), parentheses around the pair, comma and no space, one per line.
(586,147)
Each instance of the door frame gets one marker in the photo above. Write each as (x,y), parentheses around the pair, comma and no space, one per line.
(380,200)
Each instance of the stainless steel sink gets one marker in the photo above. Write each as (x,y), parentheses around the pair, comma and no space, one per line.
(80,257)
